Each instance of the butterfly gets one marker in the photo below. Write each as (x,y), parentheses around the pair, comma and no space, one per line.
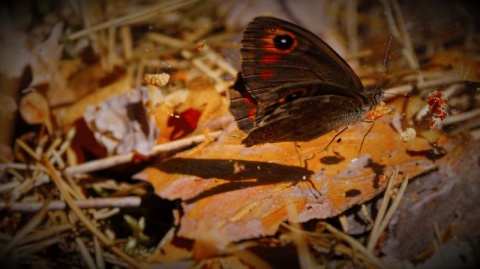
(293,86)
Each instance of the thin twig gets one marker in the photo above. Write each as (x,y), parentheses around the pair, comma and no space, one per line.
(120,202)
(28,250)
(394,206)
(305,258)
(83,218)
(125,158)
(355,244)
(87,258)
(100,261)
(45,233)
(462,117)
(26,229)
(163,7)
(381,212)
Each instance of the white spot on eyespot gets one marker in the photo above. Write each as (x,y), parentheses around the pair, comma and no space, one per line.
(304,177)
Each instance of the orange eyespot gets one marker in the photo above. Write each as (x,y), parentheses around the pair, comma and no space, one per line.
(279,41)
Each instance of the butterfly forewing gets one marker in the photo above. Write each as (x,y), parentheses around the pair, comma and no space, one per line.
(275,52)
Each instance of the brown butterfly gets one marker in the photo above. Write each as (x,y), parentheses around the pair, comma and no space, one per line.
(293,86)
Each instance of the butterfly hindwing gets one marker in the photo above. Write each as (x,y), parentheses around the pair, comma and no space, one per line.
(305,119)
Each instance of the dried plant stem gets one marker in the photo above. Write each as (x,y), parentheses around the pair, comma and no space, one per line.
(120,202)
(383,220)
(252,259)
(462,117)
(124,158)
(324,240)
(220,61)
(127,42)
(393,207)
(446,80)
(26,229)
(381,211)
(100,261)
(393,92)
(399,30)
(52,147)
(109,258)
(27,250)
(83,218)
(299,239)
(351,18)
(87,258)
(167,40)
(475,134)
(105,214)
(9,186)
(163,7)
(45,233)
(355,244)
(27,149)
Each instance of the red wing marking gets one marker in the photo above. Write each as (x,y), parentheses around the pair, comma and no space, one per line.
(266,74)
(270,59)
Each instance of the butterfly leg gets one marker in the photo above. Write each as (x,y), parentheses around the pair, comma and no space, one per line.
(300,160)
(333,139)
(365,136)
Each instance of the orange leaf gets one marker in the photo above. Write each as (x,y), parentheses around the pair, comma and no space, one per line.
(230,192)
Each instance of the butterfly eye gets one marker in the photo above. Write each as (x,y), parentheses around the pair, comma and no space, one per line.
(283,42)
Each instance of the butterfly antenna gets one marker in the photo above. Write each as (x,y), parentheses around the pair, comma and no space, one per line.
(385,60)
(382,74)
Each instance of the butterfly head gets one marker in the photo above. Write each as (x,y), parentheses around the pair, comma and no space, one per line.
(375,97)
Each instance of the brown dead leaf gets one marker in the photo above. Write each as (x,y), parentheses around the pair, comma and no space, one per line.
(66,116)
(34,109)
(45,60)
(224,203)
(465,65)
(80,81)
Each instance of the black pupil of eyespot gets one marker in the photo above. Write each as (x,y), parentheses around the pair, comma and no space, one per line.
(293,96)
(283,42)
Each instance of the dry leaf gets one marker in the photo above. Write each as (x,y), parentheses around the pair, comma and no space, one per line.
(66,116)
(231,192)
(34,109)
(122,123)
(465,65)
(45,60)
(8,106)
